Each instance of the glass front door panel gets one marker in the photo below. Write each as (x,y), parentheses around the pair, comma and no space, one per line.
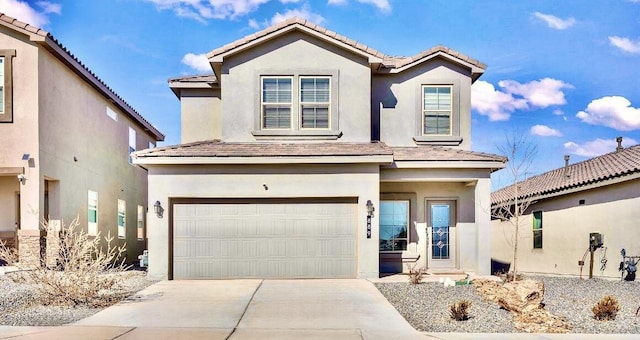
(440,220)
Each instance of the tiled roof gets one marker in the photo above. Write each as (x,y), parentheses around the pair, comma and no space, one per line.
(54,46)
(439,153)
(216,148)
(598,170)
(202,78)
(388,61)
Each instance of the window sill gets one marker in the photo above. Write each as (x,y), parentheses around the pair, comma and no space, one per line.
(438,140)
(297,134)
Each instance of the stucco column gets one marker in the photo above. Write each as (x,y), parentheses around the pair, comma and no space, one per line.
(30,212)
(483,224)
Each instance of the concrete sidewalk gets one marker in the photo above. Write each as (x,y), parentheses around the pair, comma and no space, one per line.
(256,309)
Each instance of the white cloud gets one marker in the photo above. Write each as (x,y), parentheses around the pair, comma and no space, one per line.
(382,5)
(596,147)
(49,7)
(540,93)
(496,105)
(254,24)
(24,12)
(289,1)
(545,131)
(197,61)
(499,104)
(210,9)
(300,13)
(625,44)
(558,112)
(615,112)
(555,22)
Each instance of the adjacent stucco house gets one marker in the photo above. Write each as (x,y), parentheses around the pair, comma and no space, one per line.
(599,195)
(309,155)
(66,139)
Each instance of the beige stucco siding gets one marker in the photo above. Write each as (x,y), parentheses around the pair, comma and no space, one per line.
(287,181)
(21,136)
(397,98)
(83,149)
(611,210)
(8,189)
(201,115)
(295,54)
(471,219)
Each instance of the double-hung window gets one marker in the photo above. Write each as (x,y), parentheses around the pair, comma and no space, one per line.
(132,143)
(140,222)
(537,230)
(315,102)
(92,227)
(394,223)
(122,209)
(6,85)
(277,102)
(437,110)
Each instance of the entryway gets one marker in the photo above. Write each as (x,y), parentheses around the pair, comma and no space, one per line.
(441,222)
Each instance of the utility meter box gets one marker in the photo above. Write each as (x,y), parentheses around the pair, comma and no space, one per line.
(596,240)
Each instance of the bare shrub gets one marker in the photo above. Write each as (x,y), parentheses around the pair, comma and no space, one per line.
(415,274)
(606,309)
(80,272)
(460,310)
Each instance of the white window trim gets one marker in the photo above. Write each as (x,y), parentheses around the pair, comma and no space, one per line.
(132,143)
(141,227)
(408,231)
(295,132)
(263,103)
(450,111)
(6,112)
(122,230)
(92,228)
(112,114)
(301,103)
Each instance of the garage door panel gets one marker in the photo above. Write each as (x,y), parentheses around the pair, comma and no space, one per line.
(264,240)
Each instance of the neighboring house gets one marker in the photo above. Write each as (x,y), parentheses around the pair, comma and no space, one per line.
(66,141)
(599,195)
(307,154)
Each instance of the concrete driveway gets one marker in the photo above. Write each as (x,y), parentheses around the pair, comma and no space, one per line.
(255,309)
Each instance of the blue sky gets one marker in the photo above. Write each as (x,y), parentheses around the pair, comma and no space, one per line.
(566,73)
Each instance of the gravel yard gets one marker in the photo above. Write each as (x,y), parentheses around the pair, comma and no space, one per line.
(19,307)
(426,306)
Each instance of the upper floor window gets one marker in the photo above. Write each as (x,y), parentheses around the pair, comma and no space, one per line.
(122,210)
(315,102)
(276,102)
(298,105)
(92,227)
(132,143)
(436,110)
(6,86)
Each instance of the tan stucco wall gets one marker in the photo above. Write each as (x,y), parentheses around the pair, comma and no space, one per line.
(612,211)
(21,136)
(83,149)
(295,52)
(471,250)
(400,116)
(290,181)
(201,115)
(8,189)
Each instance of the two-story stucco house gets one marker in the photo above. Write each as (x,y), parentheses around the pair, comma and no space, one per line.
(66,142)
(599,195)
(309,155)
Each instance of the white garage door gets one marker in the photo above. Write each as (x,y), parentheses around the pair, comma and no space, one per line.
(264,239)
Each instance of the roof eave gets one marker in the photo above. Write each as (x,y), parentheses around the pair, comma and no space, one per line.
(51,45)
(218,58)
(210,160)
(416,164)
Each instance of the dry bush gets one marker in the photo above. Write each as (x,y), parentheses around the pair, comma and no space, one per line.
(415,274)
(460,310)
(606,309)
(84,269)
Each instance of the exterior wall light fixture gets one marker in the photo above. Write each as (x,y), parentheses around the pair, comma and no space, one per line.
(157,208)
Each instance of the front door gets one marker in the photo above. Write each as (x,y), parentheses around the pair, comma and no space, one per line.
(442,234)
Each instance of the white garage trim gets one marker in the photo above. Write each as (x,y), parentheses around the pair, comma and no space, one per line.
(263,238)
